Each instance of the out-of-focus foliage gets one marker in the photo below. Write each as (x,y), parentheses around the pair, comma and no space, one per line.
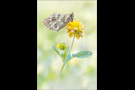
(79,73)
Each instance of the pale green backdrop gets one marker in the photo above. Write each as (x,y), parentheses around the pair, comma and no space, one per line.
(78,73)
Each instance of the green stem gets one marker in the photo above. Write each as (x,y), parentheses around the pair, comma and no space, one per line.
(59,74)
(72,43)
(64,63)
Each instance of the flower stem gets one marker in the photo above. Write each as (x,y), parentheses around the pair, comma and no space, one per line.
(59,74)
(72,42)
(64,63)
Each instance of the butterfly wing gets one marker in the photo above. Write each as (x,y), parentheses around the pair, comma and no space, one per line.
(56,21)
(50,22)
(61,22)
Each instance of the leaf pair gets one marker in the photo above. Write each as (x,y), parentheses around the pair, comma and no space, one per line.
(66,55)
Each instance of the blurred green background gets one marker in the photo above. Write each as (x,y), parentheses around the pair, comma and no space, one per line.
(78,73)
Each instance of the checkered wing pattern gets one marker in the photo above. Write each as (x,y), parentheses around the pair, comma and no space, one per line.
(57,21)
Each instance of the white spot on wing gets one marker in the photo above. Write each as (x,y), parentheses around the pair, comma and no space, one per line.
(51,17)
(52,25)
(54,28)
(59,20)
(50,22)
(57,28)
(67,16)
(56,15)
(61,23)
(62,16)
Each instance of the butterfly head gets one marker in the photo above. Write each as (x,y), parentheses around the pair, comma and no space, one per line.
(72,16)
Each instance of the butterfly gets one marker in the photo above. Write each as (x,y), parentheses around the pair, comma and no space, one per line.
(58,21)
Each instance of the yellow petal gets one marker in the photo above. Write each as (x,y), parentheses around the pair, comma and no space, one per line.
(71,35)
(77,37)
(68,31)
(81,36)
(81,31)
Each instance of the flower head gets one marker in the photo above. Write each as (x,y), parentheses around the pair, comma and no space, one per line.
(61,46)
(75,28)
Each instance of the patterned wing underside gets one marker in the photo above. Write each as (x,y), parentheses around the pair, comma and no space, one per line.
(56,21)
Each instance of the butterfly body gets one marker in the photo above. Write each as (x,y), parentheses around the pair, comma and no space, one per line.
(58,21)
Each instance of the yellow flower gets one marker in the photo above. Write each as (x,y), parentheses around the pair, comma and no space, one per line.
(61,46)
(75,28)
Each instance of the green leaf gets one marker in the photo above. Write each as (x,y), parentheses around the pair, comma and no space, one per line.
(56,50)
(68,57)
(82,54)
